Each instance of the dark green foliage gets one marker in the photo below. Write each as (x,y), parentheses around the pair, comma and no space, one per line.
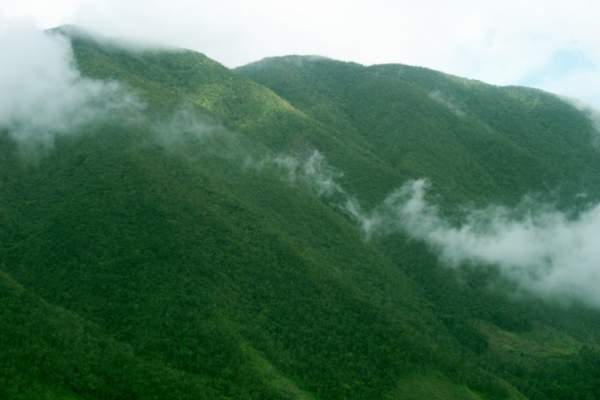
(132,268)
(499,145)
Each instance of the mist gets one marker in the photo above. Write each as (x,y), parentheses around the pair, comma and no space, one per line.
(310,169)
(445,101)
(184,126)
(547,252)
(550,253)
(591,112)
(44,95)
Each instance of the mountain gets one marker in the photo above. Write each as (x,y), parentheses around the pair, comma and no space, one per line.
(474,141)
(198,247)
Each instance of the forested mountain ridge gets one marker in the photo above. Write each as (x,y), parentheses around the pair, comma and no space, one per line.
(481,140)
(198,245)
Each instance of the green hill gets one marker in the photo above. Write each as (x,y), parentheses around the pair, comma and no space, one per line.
(474,141)
(168,254)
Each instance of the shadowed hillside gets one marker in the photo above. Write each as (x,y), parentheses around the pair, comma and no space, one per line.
(197,246)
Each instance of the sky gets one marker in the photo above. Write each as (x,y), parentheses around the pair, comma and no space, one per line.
(547,44)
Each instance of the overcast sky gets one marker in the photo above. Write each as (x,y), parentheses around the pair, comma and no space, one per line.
(554,45)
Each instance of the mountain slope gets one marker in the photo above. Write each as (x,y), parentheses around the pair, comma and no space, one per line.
(477,143)
(176,246)
(473,141)
(203,266)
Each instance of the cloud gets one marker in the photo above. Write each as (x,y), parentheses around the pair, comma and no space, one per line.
(312,170)
(445,100)
(550,253)
(501,43)
(43,94)
(592,113)
(309,169)
(188,132)
(184,126)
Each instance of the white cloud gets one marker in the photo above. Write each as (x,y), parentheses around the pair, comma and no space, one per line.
(447,102)
(502,43)
(547,252)
(311,170)
(43,94)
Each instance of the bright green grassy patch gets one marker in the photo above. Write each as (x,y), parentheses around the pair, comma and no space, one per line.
(272,377)
(431,386)
(435,386)
(541,341)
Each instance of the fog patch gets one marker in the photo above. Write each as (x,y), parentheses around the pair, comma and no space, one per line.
(548,252)
(591,113)
(309,169)
(43,94)
(312,170)
(137,45)
(551,253)
(447,102)
(186,125)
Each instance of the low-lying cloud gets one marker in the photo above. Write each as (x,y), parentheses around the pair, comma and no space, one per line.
(311,170)
(43,93)
(591,112)
(186,125)
(447,102)
(547,252)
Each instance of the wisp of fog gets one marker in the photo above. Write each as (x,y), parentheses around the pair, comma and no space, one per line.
(43,93)
(544,250)
(547,252)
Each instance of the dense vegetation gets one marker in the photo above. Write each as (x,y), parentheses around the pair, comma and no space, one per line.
(145,268)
